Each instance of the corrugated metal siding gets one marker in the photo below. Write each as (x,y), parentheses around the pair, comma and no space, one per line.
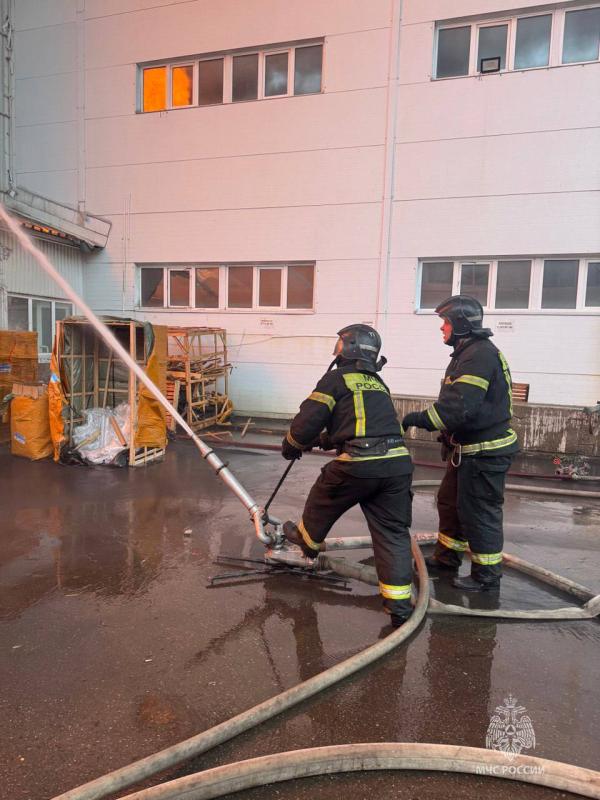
(20,273)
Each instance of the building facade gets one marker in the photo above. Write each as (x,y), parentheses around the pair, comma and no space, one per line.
(284,169)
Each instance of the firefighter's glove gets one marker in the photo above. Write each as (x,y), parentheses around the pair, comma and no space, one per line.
(325,442)
(288,451)
(412,420)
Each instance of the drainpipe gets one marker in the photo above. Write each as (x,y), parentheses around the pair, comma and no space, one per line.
(7,121)
(389,170)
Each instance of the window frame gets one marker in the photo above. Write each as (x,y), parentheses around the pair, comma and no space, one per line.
(536,278)
(557,33)
(42,356)
(227,57)
(223,303)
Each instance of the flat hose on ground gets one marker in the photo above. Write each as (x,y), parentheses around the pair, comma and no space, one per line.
(196,745)
(224,781)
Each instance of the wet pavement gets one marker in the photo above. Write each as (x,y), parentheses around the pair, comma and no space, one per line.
(112,646)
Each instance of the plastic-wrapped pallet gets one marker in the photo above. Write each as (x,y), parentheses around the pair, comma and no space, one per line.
(104,434)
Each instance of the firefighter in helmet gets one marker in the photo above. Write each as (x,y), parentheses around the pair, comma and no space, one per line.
(351,410)
(473,414)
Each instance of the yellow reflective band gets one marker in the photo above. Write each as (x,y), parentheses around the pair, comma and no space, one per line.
(394,592)
(508,379)
(494,444)
(293,442)
(452,544)
(474,381)
(307,540)
(359,410)
(323,398)
(486,559)
(393,453)
(435,418)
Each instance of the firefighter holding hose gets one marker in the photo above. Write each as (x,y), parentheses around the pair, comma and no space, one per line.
(351,410)
(472,413)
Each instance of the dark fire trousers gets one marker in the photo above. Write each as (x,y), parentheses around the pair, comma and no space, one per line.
(469,502)
(386,503)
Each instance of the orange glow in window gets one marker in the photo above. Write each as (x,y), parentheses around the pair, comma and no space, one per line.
(182,78)
(155,89)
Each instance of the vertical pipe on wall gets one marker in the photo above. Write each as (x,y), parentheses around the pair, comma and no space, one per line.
(389,168)
(81,78)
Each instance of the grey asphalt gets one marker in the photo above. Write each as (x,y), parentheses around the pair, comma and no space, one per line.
(112,646)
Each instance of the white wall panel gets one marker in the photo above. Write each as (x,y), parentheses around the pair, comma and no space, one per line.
(46,100)
(23,275)
(59,186)
(416,53)
(212,25)
(110,91)
(36,14)
(347,119)
(313,178)
(356,60)
(555,161)
(325,232)
(46,147)
(544,223)
(501,103)
(46,51)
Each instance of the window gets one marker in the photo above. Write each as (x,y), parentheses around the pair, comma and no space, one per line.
(276,74)
(179,287)
(239,288)
(154,87)
(512,284)
(582,35)
(269,288)
(560,284)
(153,289)
(182,85)
(232,77)
(492,44)
(307,69)
(245,78)
(207,287)
(436,283)
(474,281)
(534,284)
(519,42)
(231,286)
(453,52)
(532,46)
(300,286)
(210,82)
(592,293)
(37,314)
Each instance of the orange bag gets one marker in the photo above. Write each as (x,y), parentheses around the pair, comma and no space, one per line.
(30,427)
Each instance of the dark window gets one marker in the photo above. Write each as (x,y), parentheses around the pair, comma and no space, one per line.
(532,47)
(179,287)
(474,281)
(559,289)
(153,288)
(18,313)
(436,283)
(300,286)
(453,52)
(492,43)
(307,69)
(207,287)
(210,82)
(245,77)
(276,74)
(582,35)
(269,288)
(239,291)
(512,284)
(592,293)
